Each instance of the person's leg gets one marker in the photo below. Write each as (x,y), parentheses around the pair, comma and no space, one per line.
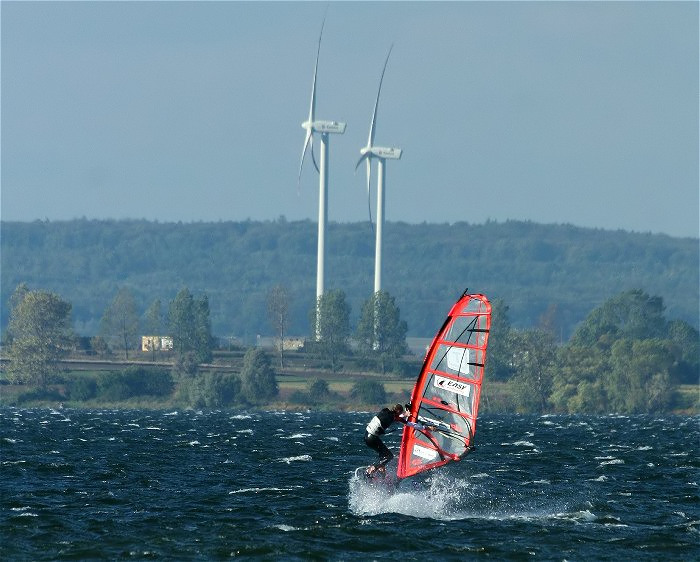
(385,455)
(374,443)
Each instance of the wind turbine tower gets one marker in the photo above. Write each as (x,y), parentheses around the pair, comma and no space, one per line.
(381,154)
(325,128)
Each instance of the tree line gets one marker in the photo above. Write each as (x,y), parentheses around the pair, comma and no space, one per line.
(40,334)
(562,269)
(626,356)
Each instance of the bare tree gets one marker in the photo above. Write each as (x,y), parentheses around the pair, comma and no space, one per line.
(278,313)
(121,321)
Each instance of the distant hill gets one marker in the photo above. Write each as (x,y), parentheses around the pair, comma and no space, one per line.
(558,270)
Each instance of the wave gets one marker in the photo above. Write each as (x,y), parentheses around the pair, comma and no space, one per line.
(288,460)
(265,489)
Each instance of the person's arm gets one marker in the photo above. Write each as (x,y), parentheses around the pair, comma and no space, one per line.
(420,426)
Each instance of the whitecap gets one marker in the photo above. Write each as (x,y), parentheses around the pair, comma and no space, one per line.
(154,429)
(332,439)
(601,478)
(289,460)
(256,490)
(244,431)
(193,443)
(297,436)
(285,528)
(613,461)
(241,417)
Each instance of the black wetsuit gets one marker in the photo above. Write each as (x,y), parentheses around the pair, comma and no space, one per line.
(376,427)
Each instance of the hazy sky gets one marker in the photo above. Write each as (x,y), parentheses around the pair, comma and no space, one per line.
(556,112)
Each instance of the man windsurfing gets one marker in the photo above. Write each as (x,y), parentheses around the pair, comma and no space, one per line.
(378,426)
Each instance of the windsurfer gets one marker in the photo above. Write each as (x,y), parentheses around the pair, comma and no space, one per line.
(378,425)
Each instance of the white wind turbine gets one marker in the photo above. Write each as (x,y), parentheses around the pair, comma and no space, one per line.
(380,154)
(325,128)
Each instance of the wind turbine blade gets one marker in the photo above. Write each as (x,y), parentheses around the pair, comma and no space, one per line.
(365,155)
(307,141)
(313,156)
(369,191)
(370,142)
(312,109)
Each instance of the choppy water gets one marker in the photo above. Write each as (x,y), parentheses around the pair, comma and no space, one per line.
(189,485)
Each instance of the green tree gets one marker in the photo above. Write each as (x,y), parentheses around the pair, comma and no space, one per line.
(212,390)
(181,322)
(278,314)
(368,391)
(318,389)
(577,385)
(533,361)
(40,334)
(203,340)
(333,327)
(639,381)
(686,346)
(632,314)
(120,321)
(82,388)
(258,382)
(381,332)
(499,361)
(624,358)
(190,326)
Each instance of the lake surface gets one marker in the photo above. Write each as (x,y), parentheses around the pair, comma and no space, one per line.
(81,484)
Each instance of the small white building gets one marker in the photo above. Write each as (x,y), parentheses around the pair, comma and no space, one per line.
(156,343)
(292,344)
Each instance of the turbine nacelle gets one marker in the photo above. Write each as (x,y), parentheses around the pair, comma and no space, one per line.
(382,152)
(324,126)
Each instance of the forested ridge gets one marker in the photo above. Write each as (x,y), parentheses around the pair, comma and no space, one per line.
(558,271)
